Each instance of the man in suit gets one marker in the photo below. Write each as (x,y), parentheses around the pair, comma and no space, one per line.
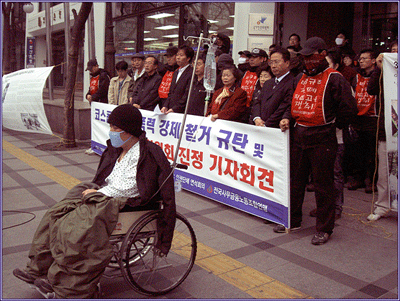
(179,90)
(276,94)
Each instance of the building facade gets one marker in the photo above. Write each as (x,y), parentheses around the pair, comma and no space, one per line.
(151,27)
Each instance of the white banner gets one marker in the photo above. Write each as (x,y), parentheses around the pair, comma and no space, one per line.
(390,88)
(22,100)
(240,165)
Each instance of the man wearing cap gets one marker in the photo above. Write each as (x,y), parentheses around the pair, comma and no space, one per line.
(138,62)
(99,83)
(257,57)
(168,72)
(243,63)
(71,248)
(321,102)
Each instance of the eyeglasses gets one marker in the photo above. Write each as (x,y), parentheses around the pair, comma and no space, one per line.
(275,62)
(363,59)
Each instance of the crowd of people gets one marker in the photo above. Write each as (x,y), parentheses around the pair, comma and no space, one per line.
(333,123)
(333,110)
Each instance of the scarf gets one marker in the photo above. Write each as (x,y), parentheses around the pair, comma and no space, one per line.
(311,62)
(224,93)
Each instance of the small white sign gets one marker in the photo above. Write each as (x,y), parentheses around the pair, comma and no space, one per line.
(258,42)
(261,24)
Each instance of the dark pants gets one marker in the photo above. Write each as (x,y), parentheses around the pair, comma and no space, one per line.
(339,178)
(361,153)
(313,148)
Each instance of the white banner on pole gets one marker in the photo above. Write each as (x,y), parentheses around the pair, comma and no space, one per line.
(240,165)
(22,100)
(390,88)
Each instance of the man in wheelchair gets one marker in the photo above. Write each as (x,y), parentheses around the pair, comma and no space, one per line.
(71,248)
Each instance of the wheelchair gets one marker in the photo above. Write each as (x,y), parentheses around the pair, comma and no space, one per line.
(141,264)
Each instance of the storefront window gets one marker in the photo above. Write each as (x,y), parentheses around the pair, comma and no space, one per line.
(161,29)
(159,23)
(125,37)
(384,25)
(219,17)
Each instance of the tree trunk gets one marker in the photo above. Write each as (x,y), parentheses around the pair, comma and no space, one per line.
(73,53)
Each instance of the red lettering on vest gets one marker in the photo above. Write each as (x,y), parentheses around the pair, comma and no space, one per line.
(163,89)
(308,99)
(365,102)
(94,84)
(248,83)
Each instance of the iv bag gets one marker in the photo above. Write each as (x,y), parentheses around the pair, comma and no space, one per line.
(210,70)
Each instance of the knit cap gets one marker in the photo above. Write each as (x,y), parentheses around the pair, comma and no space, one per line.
(127,118)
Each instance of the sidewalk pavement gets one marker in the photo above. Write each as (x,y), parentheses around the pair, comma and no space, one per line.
(239,256)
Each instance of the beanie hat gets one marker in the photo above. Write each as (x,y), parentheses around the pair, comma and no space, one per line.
(127,118)
(224,60)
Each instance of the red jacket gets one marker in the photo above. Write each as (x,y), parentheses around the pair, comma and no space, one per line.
(232,107)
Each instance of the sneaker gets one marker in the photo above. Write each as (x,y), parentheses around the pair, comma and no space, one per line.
(282,229)
(89,151)
(373,217)
(44,287)
(313,212)
(24,276)
(320,238)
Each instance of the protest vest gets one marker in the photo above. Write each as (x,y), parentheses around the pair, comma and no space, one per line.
(163,89)
(248,83)
(365,102)
(308,99)
(94,84)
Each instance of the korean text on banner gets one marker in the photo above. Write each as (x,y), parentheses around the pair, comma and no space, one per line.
(22,100)
(240,165)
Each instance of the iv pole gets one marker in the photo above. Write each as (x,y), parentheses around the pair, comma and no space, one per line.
(201,39)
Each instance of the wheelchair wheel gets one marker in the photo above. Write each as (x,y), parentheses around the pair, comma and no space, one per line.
(115,263)
(152,273)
